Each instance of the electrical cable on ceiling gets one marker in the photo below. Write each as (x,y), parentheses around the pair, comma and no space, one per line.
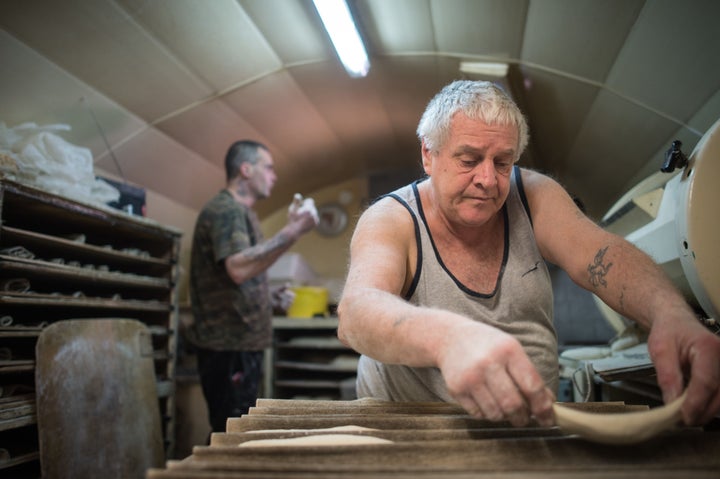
(102,134)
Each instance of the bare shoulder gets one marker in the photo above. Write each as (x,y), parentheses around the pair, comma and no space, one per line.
(562,230)
(386,216)
(534,180)
(386,205)
(382,250)
(544,192)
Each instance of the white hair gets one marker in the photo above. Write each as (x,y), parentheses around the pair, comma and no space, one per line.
(478,100)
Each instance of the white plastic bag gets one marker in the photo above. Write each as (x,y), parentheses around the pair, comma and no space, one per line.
(47,161)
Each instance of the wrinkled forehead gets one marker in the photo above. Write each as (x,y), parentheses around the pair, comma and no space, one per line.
(489,118)
(462,124)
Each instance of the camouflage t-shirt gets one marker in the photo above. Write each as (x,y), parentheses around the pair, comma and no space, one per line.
(227,316)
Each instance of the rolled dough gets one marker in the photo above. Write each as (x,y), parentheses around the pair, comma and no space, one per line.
(618,428)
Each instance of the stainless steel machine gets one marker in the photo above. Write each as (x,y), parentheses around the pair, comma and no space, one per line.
(674,216)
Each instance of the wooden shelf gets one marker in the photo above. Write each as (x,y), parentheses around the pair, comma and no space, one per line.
(309,384)
(65,301)
(19,332)
(59,272)
(18,460)
(313,342)
(308,360)
(17,411)
(331,367)
(53,246)
(62,259)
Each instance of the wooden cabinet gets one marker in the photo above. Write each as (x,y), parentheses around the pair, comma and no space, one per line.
(61,259)
(308,361)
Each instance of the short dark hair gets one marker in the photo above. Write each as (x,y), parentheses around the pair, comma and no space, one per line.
(243,151)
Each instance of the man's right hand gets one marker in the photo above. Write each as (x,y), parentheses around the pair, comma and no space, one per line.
(302,214)
(489,374)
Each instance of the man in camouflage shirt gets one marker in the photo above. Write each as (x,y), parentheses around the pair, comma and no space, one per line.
(228,282)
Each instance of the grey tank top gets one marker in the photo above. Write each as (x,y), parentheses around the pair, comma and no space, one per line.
(520,305)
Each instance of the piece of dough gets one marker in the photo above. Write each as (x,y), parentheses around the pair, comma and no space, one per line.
(317,440)
(586,353)
(348,428)
(618,428)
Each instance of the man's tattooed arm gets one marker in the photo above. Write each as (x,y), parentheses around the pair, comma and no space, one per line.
(598,269)
(268,249)
(252,261)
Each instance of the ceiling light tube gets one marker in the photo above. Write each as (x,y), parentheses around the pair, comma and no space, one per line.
(340,26)
(491,69)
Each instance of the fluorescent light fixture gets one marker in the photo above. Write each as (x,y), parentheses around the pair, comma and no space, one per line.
(340,26)
(488,69)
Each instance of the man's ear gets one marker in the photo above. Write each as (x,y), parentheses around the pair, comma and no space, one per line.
(246,169)
(426,158)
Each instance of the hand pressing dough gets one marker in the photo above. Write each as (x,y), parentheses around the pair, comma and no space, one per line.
(619,428)
(318,440)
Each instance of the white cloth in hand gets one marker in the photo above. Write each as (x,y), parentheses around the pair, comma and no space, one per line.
(295,205)
(308,205)
(302,205)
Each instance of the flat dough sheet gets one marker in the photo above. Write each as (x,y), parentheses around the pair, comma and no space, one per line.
(317,440)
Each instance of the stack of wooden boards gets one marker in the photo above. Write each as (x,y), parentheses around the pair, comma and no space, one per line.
(376,439)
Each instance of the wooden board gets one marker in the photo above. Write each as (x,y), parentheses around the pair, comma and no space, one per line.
(98,413)
(433,440)
(490,455)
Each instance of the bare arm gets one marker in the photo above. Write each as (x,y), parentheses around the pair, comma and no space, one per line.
(250,262)
(597,260)
(371,309)
(632,284)
(485,370)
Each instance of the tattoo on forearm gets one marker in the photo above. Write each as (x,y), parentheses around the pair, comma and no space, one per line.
(598,270)
(263,250)
(399,321)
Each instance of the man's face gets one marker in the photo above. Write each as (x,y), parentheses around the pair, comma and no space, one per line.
(470,174)
(262,177)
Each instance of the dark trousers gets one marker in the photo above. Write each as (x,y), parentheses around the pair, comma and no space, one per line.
(230,382)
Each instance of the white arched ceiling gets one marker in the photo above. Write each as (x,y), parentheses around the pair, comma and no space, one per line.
(606,85)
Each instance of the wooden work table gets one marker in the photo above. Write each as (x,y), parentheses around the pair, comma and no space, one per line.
(429,440)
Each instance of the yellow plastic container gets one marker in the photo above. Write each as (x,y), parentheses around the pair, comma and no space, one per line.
(309,302)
